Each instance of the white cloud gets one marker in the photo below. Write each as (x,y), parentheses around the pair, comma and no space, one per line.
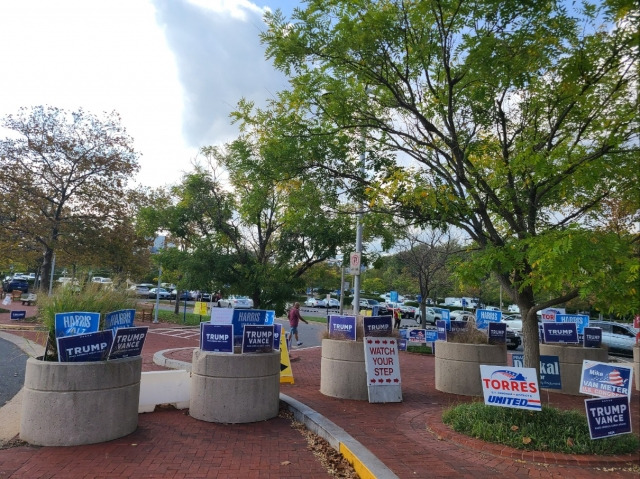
(174,70)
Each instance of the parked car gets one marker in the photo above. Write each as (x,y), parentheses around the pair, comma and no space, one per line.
(368,303)
(513,321)
(513,308)
(618,337)
(16,285)
(333,303)
(492,308)
(513,339)
(102,281)
(312,303)
(432,315)
(235,301)
(461,316)
(184,295)
(159,292)
(408,312)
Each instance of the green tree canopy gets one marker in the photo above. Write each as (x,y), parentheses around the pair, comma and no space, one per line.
(511,121)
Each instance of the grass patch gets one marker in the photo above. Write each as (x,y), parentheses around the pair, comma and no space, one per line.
(419,349)
(550,430)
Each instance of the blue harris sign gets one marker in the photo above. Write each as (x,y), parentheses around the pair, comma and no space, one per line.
(560,332)
(257,338)
(431,335)
(608,416)
(377,326)
(128,342)
(77,322)
(216,337)
(486,316)
(549,370)
(85,347)
(343,327)
(250,317)
(581,320)
(119,319)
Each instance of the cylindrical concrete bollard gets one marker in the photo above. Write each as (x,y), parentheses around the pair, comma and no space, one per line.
(235,388)
(458,365)
(570,359)
(343,372)
(70,404)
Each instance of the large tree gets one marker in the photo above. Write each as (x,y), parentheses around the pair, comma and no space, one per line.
(65,174)
(511,121)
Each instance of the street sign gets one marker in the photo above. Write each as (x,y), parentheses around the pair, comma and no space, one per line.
(354,263)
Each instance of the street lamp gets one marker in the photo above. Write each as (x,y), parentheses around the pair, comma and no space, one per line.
(356,279)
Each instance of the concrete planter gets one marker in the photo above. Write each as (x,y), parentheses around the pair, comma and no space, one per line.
(71,404)
(570,359)
(234,388)
(636,366)
(458,365)
(342,370)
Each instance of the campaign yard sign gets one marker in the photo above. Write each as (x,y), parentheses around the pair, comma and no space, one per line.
(446,317)
(592,337)
(581,320)
(128,342)
(549,314)
(417,336)
(221,315)
(85,347)
(497,333)
(241,318)
(257,338)
(77,322)
(16,315)
(510,387)
(119,319)
(605,380)
(216,338)
(377,326)
(549,370)
(342,327)
(441,328)
(560,332)
(608,416)
(430,335)
(277,333)
(486,316)
(402,344)
(383,369)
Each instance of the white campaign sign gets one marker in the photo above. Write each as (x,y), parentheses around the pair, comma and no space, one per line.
(383,369)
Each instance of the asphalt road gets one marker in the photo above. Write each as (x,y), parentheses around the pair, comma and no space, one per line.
(12,369)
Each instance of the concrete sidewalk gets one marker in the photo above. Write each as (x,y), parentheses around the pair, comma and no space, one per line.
(406,440)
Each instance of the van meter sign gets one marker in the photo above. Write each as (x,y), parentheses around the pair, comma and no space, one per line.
(510,387)
(383,369)
(606,380)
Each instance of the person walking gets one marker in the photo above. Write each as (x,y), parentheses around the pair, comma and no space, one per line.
(294,320)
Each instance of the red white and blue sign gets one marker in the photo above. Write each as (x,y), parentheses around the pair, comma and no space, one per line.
(549,370)
(510,387)
(85,347)
(342,327)
(486,316)
(216,338)
(608,416)
(119,319)
(128,342)
(417,336)
(77,322)
(605,379)
(560,333)
(16,315)
(377,326)
(257,338)
(581,320)
(592,337)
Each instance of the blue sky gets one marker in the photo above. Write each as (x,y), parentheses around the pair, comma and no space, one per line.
(173,69)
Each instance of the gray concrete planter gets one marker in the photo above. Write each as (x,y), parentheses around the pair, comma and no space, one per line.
(570,358)
(71,404)
(636,366)
(342,370)
(458,365)
(234,388)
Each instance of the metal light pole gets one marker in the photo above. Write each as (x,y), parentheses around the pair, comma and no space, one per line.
(356,279)
(155,315)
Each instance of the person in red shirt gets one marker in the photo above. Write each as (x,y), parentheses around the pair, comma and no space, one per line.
(294,320)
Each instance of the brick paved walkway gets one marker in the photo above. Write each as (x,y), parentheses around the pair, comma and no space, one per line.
(409,437)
